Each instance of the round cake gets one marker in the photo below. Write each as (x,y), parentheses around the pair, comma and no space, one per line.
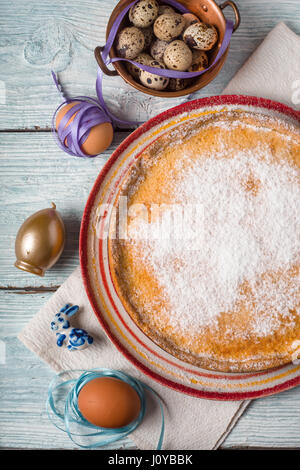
(204,252)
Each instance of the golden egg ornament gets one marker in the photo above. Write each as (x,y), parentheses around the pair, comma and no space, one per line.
(40,241)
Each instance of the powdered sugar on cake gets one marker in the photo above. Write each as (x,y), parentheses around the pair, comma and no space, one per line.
(247,234)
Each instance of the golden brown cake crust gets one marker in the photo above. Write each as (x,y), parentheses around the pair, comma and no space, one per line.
(230,342)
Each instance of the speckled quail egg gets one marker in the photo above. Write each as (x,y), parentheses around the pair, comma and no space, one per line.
(178,56)
(168,26)
(201,36)
(199,61)
(130,42)
(165,9)
(152,80)
(143,13)
(189,19)
(142,58)
(177,84)
(148,35)
(158,48)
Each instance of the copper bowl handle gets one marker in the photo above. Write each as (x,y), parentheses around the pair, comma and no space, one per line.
(236,13)
(98,56)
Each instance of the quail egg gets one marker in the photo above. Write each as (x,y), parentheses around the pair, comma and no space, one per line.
(177,84)
(201,36)
(168,26)
(130,42)
(158,48)
(178,56)
(152,80)
(143,13)
(165,9)
(199,61)
(189,19)
(148,35)
(143,59)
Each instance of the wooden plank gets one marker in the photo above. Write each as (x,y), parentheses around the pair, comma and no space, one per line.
(36,37)
(268,422)
(34,172)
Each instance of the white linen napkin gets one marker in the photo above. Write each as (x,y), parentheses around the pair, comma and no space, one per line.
(273,70)
(191,423)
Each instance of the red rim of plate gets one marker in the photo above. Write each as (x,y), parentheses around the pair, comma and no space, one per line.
(170,113)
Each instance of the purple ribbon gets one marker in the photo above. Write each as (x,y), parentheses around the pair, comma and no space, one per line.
(86,114)
(91,112)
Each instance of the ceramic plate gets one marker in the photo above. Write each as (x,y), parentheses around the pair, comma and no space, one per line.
(123,332)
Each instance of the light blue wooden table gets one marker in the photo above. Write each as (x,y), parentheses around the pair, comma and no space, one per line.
(35,37)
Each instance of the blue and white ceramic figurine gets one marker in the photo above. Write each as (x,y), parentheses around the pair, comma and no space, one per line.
(72,338)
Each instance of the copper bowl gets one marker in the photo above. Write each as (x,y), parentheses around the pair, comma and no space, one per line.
(208,12)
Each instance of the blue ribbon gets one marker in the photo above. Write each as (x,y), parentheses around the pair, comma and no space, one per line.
(72,415)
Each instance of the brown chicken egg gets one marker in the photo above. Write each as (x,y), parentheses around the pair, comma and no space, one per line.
(108,402)
(99,138)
